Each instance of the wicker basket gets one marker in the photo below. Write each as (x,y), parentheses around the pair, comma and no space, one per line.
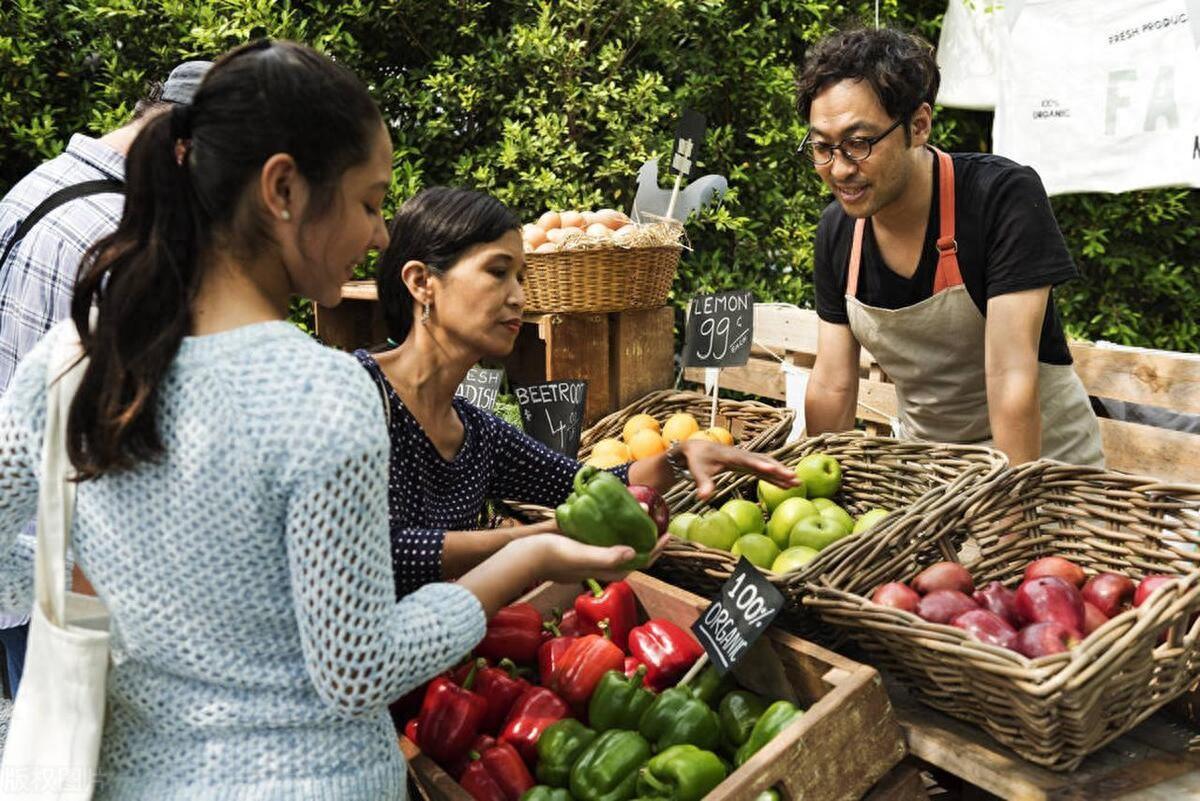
(599,280)
(755,427)
(877,472)
(1054,710)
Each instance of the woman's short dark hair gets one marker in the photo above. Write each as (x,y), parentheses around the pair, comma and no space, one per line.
(899,66)
(186,175)
(436,227)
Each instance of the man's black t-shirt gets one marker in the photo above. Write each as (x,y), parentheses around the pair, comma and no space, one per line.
(1008,241)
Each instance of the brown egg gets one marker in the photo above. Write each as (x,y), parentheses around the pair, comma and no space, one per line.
(533,235)
(549,220)
(612,218)
(590,218)
(546,247)
(624,233)
(599,229)
(571,219)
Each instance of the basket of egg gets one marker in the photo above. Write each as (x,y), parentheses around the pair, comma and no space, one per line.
(598,261)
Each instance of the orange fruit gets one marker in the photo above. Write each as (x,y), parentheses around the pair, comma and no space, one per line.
(612,447)
(721,435)
(681,426)
(604,461)
(645,444)
(702,435)
(639,422)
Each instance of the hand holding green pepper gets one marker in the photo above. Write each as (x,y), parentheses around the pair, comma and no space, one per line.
(602,512)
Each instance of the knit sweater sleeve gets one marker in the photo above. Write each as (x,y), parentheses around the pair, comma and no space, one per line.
(362,647)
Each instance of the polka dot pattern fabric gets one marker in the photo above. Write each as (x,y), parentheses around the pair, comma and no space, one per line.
(428,495)
(257,639)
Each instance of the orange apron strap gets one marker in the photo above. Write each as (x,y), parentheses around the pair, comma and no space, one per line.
(860,225)
(948,274)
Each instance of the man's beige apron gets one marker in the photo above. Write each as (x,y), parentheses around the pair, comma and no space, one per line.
(934,352)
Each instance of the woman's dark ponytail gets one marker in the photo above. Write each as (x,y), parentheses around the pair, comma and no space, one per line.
(187,175)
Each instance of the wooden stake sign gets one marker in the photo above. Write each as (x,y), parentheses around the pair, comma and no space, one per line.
(720,330)
(738,616)
(553,413)
(480,387)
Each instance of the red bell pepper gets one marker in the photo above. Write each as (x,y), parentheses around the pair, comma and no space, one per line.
(515,632)
(497,774)
(582,666)
(667,651)
(536,709)
(501,687)
(450,718)
(481,744)
(632,663)
(550,653)
(614,603)
(571,626)
(411,728)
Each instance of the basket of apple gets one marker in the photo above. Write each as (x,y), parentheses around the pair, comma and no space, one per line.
(849,485)
(1055,607)
(598,261)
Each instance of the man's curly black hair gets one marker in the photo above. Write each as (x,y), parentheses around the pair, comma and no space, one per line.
(899,66)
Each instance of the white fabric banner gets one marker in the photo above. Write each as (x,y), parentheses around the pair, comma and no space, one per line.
(966,55)
(796,385)
(1101,96)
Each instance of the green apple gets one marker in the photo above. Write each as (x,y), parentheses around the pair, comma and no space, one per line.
(868,519)
(759,549)
(793,559)
(788,514)
(771,496)
(715,529)
(821,474)
(823,503)
(680,523)
(816,533)
(747,514)
(840,516)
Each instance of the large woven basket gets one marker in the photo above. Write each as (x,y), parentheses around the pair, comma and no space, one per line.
(600,279)
(877,472)
(1057,709)
(755,427)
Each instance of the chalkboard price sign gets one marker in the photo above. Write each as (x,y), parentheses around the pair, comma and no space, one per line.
(739,616)
(480,387)
(553,413)
(720,330)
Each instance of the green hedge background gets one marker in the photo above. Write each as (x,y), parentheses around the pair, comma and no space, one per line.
(553,105)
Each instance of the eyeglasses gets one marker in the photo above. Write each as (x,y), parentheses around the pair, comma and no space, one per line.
(854,148)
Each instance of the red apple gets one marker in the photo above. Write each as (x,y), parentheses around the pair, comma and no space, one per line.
(898,595)
(942,606)
(987,627)
(999,600)
(1093,618)
(1110,593)
(944,576)
(654,505)
(1043,639)
(1064,569)
(1148,585)
(1049,598)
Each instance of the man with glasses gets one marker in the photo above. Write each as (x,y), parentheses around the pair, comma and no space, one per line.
(940,265)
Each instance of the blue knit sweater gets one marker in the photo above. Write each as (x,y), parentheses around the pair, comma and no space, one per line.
(256,635)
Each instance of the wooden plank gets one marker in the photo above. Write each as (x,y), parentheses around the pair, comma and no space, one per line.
(351,324)
(1157,378)
(577,348)
(783,327)
(359,290)
(904,783)
(641,353)
(1146,450)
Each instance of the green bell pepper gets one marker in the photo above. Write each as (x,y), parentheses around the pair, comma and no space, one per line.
(601,511)
(619,702)
(681,773)
(608,769)
(711,687)
(677,718)
(559,747)
(765,795)
(739,711)
(544,793)
(778,717)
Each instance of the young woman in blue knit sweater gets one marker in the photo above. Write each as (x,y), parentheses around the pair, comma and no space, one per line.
(232,508)
(450,286)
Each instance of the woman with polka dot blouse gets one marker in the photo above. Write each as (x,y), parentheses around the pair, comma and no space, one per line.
(450,287)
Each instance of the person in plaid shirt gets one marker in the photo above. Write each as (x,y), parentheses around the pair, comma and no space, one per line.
(37,277)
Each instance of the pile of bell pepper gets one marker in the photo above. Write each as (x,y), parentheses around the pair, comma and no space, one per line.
(588,706)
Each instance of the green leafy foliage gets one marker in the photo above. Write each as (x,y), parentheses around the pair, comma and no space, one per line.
(553,105)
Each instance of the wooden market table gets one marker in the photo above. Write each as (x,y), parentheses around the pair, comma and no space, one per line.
(622,355)
(1153,762)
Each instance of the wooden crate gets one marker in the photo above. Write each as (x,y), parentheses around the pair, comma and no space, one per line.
(847,740)
(622,355)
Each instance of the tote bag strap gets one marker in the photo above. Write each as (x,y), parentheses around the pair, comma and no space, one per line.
(56,491)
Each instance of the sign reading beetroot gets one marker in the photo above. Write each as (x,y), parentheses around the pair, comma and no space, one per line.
(720,329)
(738,616)
(553,413)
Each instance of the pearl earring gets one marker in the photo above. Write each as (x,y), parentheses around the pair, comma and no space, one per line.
(285,215)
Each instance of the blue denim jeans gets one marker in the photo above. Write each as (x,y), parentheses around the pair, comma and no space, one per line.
(13,641)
